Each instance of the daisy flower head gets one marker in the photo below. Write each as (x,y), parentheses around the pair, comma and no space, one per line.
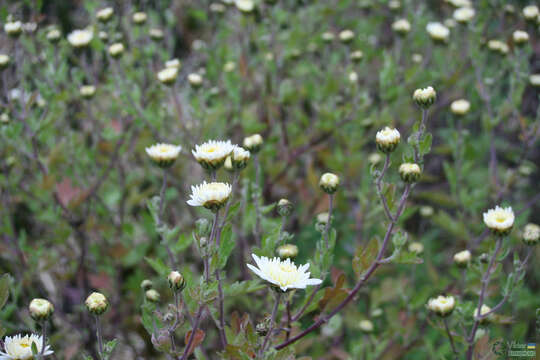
(168,75)
(163,155)
(80,38)
(462,258)
(40,309)
(19,347)
(253,143)
(329,183)
(210,195)
(438,32)
(499,220)
(387,139)
(442,305)
(212,154)
(425,97)
(239,157)
(282,274)
(531,234)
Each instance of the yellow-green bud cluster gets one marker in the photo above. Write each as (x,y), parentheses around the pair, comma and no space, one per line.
(96,303)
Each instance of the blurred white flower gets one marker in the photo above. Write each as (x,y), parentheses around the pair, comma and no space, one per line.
(245,6)
(116,50)
(327,36)
(54,35)
(346,35)
(416,247)
(283,274)
(163,154)
(105,14)
(534,80)
(168,75)
(401,26)
(80,38)
(462,258)
(520,37)
(460,107)
(195,79)
(19,347)
(156,34)
(531,234)
(498,46)
(4,60)
(13,28)
(464,14)
(365,325)
(87,91)
(442,305)
(173,63)
(139,18)
(438,31)
(483,310)
(531,12)
(253,143)
(353,77)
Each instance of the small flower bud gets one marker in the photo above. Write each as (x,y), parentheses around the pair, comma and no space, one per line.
(346,36)
(217,8)
(96,303)
(387,139)
(462,258)
(416,247)
(438,32)
(253,143)
(156,34)
(374,158)
(401,27)
(425,97)
(4,61)
(227,165)
(483,310)
(531,234)
(104,15)
(426,211)
(139,18)
(239,158)
(146,284)
(366,326)
(245,6)
(173,63)
(152,295)
(410,172)
(484,258)
(195,80)
(4,118)
(87,91)
(176,281)
(498,46)
(40,309)
(168,75)
(534,80)
(54,35)
(329,183)
(356,56)
(327,37)
(116,50)
(442,305)
(13,28)
(285,207)
(520,37)
(464,14)
(460,107)
(530,13)
(287,251)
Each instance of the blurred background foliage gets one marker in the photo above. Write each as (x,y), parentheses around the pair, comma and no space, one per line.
(273,73)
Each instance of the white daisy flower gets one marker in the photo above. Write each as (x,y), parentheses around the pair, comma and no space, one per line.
(168,75)
(437,31)
(210,195)
(462,258)
(13,28)
(80,38)
(239,157)
(460,107)
(442,305)
(282,274)
(401,26)
(464,14)
(387,139)
(245,6)
(531,12)
(19,347)
(212,154)
(499,220)
(163,154)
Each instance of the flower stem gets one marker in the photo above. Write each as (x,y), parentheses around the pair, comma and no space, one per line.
(271,329)
(445,320)
(327,227)
(257,199)
(43,339)
(99,337)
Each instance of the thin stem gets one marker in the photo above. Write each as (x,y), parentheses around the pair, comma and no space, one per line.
(43,338)
(289,320)
(445,320)
(327,227)
(378,184)
(271,329)
(208,244)
(485,282)
(99,337)
(221,306)
(257,199)
(172,262)
(173,327)
(308,302)
(193,331)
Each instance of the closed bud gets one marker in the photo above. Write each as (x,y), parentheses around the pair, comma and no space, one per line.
(357,56)
(530,13)
(329,183)
(195,80)
(146,284)
(442,305)
(460,107)
(346,36)
(4,61)
(520,37)
(152,295)
(96,303)
(116,50)
(87,91)
(104,15)
(253,143)
(156,34)
(483,310)
(531,234)
(139,18)
(462,258)
(40,309)
(425,97)
(239,158)
(168,75)
(426,211)
(284,207)
(416,247)
(176,281)
(13,28)
(287,251)
(366,326)
(410,172)
(227,165)
(54,35)
(401,27)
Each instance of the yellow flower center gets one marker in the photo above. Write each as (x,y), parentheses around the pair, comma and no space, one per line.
(287,267)
(500,219)
(25,345)
(211,149)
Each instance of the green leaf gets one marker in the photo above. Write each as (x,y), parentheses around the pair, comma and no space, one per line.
(184,241)
(158,266)
(365,256)
(226,246)
(243,287)
(408,258)
(4,290)
(425,144)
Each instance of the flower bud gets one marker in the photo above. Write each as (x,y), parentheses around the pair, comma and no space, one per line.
(4,118)
(438,32)
(146,284)
(410,172)
(4,61)
(40,309)
(416,247)
(245,6)
(176,281)
(346,36)
(168,75)
(442,305)
(531,234)
(156,34)
(353,77)
(173,63)
(104,15)
(87,91)
(152,295)
(462,258)
(327,37)
(96,303)
(534,80)
(484,258)
(401,27)
(13,28)
(139,18)
(520,37)
(195,80)
(425,97)
(356,56)
(227,165)
(116,50)
(426,211)
(464,14)
(460,107)
(366,326)
(239,158)
(287,251)
(285,207)
(483,310)
(54,35)
(253,143)
(374,158)
(329,183)
(498,46)
(387,139)
(530,13)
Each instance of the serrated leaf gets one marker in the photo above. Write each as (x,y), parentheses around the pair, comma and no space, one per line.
(184,241)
